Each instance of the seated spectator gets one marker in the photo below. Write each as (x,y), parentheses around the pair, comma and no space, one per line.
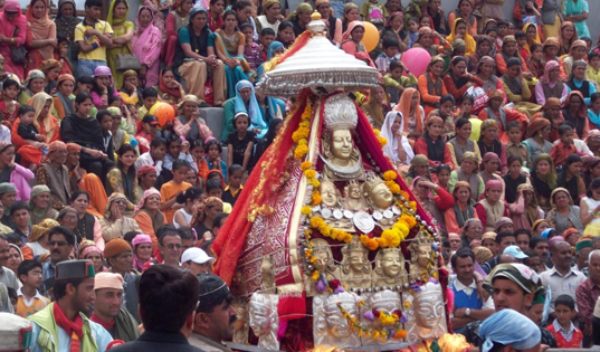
(550,85)
(564,212)
(229,48)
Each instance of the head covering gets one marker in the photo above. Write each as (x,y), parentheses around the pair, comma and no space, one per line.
(141,239)
(73,148)
(57,146)
(213,291)
(490,235)
(41,228)
(39,189)
(33,74)
(520,274)
(145,170)
(515,252)
(11,6)
(116,196)
(570,232)
(551,41)
(74,270)
(196,255)
(490,156)
(49,64)
(115,247)
(64,212)
(419,160)
(583,243)
(6,187)
(513,61)
(522,334)
(347,35)
(273,48)
(102,71)
(537,125)
(147,194)
(557,190)
(110,17)
(503,221)
(403,107)
(89,250)
(253,110)
(482,254)
(15,332)
(493,184)
(108,280)
(537,223)
(267,4)
(550,65)
(38,102)
(578,43)
(435,60)
(189,98)
(394,140)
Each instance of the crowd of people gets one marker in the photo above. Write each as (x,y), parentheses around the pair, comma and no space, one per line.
(109,169)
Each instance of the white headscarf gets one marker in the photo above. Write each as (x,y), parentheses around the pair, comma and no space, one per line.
(395,141)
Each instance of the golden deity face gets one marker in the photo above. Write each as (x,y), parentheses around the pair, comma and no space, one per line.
(322,253)
(429,306)
(328,193)
(423,254)
(341,146)
(381,196)
(356,259)
(391,263)
(354,190)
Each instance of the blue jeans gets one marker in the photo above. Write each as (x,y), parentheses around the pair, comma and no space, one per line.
(87,67)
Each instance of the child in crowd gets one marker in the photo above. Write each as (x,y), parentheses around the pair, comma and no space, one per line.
(413,31)
(565,146)
(191,200)
(8,103)
(594,110)
(213,151)
(170,190)
(214,186)
(593,69)
(562,328)
(374,12)
(241,142)
(199,165)
(150,97)
(29,298)
(397,79)
(391,52)
(514,146)
(234,186)
(267,36)
(251,48)
(105,119)
(27,129)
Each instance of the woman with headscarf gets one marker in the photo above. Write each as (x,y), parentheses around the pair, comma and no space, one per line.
(169,89)
(37,244)
(463,210)
(468,172)
(575,113)
(578,82)
(41,34)
(20,177)
(46,124)
(352,38)
(578,51)
(244,101)
(148,215)
(13,35)
(525,211)
(412,114)
(485,47)
(397,148)
(123,30)
(301,17)
(517,88)
(40,206)
(564,213)
(376,105)
(459,80)
(550,85)
(486,72)
(115,223)
(464,10)
(492,207)
(66,20)
(142,252)
(433,198)
(87,227)
(188,124)
(459,31)
(432,144)
(510,50)
(271,17)
(431,86)
(146,46)
(63,98)
(179,17)
(89,251)
(543,178)
(33,84)
(532,37)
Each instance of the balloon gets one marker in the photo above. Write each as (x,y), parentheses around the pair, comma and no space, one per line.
(416,60)
(165,113)
(371,38)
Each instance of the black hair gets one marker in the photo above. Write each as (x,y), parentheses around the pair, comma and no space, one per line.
(189,194)
(244,26)
(178,164)
(502,235)
(389,42)
(129,236)
(513,124)
(197,143)
(213,183)
(442,167)
(218,218)
(76,195)
(565,300)
(464,252)
(25,109)
(60,286)
(512,158)
(93,3)
(240,5)
(10,83)
(595,184)
(229,13)
(19,205)
(447,98)
(394,64)
(100,115)
(212,142)
(535,240)
(460,122)
(81,97)
(285,25)
(235,168)
(520,34)
(166,230)
(65,232)
(523,232)
(469,97)
(26,266)
(267,31)
(595,96)
(572,159)
(564,129)
(187,233)
(126,148)
(157,142)
(167,296)
(85,79)
(149,92)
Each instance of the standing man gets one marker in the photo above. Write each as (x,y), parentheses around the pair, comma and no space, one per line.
(215,316)
(108,308)
(587,295)
(470,300)
(562,279)
(63,324)
(93,36)
(61,242)
(170,245)
(55,174)
(168,297)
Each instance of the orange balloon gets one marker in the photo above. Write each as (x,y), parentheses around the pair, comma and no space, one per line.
(371,38)
(164,112)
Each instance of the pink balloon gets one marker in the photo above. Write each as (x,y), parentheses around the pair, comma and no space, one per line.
(416,60)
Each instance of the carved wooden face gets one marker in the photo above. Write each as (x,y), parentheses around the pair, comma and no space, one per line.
(429,307)
(328,193)
(391,263)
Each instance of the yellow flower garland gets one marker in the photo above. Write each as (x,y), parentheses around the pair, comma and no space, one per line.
(391,329)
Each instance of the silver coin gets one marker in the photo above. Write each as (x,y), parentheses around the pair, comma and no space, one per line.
(363,222)
(377,215)
(348,214)
(337,214)
(326,213)
(396,210)
(388,214)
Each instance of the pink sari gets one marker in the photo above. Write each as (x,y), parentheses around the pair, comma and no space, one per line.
(16,29)
(146,45)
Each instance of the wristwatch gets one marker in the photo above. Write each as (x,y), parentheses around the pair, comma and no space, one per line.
(468,312)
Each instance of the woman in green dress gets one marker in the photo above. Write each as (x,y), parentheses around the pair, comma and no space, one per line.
(230,49)
(123,30)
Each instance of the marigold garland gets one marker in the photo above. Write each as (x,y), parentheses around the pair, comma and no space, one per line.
(381,139)
(390,322)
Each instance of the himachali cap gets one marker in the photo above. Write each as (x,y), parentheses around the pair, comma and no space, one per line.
(213,290)
(74,269)
(15,333)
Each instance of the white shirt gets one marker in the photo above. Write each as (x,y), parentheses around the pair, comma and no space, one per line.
(146,159)
(562,285)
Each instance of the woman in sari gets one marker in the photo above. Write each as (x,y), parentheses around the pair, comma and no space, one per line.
(485,47)
(244,101)
(39,204)
(431,86)
(517,89)
(550,85)
(215,14)
(142,252)
(575,113)
(146,45)
(121,41)
(35,83)
(13,34)
(525,211)
(412,113)
(229,44)
(188,124)
(463,209)
(169,89)
(41,34)
(532,37)
(568,35)
(397,148)
(352,37)
(148,214)
(46,124)
(179,17)
(115,223)
(122,178)
(63,98)
(544,179)
(66,20)
(87,225)
(464,10)
(458,80)
(459,31)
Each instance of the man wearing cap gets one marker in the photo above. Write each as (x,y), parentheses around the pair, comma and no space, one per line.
(587,295)
(108,310)
(15,333)
(583,247)
(168,297)
(55,174)
(215,316)
(119,256)
(515,252)
(503,240)
(63,324)
(562,279)
(471,302)
(197,261)
(61,242)
(513,286)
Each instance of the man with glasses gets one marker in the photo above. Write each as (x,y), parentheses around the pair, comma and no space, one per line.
(60,242)
(170,245)
(55,174)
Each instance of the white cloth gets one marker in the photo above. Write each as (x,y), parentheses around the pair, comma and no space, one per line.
(395,141)
(562,285)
